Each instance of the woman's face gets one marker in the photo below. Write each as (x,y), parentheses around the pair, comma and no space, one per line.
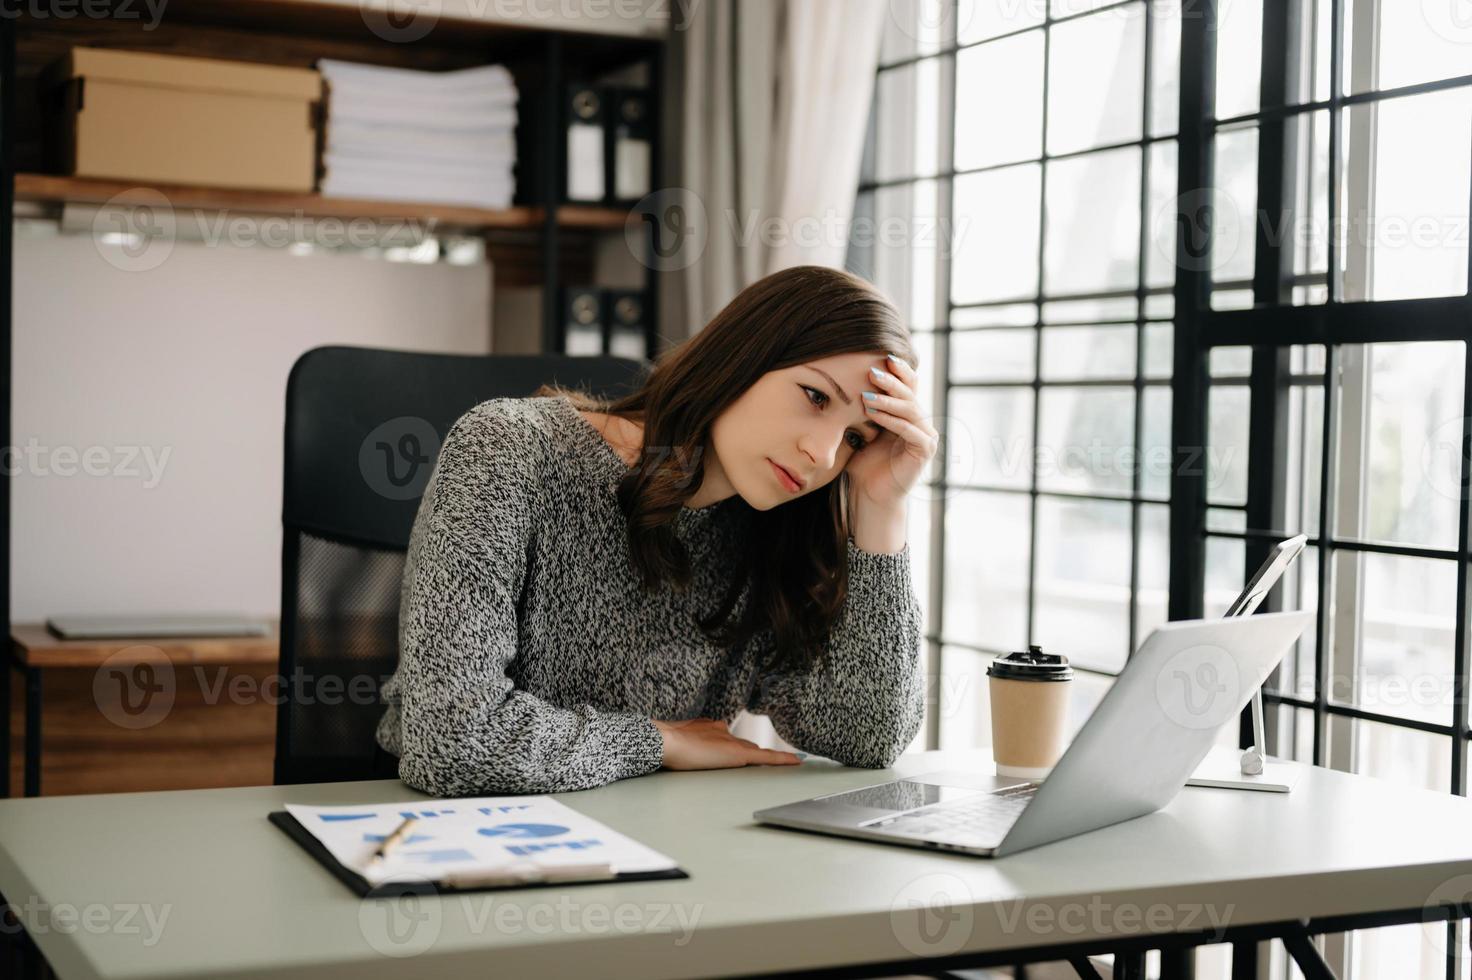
(808,419)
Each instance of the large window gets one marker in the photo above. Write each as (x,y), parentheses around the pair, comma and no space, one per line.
(1042,153)
(1133,417)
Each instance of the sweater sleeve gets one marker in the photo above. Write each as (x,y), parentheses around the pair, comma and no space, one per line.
(864,706)
(464,729)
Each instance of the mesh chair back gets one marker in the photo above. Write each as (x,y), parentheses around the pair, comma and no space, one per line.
(363,427)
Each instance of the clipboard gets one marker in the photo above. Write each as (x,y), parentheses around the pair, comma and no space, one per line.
(363,888)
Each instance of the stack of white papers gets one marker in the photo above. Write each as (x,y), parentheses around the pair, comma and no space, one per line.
(472,837)
(402,135)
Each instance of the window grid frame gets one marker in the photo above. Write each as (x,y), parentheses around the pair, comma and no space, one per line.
(943,177)
(1270,330)
(1331,324)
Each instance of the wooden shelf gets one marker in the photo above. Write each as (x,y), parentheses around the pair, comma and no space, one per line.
(52,189)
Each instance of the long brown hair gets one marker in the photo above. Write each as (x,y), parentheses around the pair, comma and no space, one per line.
(798,589)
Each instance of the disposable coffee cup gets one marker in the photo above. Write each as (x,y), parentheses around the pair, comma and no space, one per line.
(1029,692)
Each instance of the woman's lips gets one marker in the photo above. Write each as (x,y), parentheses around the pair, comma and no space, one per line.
(785,478)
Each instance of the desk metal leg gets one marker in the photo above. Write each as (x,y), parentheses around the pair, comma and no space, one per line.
(1306,955)
(33,732)
(20,957)
(5,669)
(1129,966)
(1084,968)
(1244,960)
(1178,964)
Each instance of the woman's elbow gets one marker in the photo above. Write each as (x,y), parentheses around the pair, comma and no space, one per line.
(458,770)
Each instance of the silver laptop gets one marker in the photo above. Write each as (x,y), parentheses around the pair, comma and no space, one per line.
(1148,734)
(97,627)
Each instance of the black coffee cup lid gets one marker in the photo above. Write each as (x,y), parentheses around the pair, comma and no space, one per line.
(1032,665)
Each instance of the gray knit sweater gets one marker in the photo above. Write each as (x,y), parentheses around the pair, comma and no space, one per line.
(530,661)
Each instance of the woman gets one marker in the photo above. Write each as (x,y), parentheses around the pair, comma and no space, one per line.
(595,589)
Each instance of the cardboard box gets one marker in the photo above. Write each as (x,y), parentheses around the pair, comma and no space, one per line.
(167,119)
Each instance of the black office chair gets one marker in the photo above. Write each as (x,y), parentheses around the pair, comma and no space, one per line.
(363,427)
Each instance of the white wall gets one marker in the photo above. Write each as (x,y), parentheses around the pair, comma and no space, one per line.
(186,362)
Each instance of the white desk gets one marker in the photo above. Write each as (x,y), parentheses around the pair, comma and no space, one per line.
(242,899)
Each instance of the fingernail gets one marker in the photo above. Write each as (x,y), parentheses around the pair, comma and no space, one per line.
(881,375)
(870,396)
(896,360)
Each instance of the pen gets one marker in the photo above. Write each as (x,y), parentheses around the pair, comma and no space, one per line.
(523,874)
(391,841)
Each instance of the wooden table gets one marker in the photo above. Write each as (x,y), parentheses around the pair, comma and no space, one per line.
(137,713)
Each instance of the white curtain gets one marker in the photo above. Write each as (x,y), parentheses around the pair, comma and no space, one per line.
(774,99)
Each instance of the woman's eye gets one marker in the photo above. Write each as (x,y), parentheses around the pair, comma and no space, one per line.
(855,441)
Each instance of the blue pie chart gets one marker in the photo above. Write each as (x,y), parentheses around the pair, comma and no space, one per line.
(523,830)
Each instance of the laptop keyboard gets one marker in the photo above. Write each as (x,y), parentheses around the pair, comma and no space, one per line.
(982,819)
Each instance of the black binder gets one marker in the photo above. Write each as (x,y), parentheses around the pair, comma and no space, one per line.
(584,320)
(608,134)
(629,151)
(391,889)
(628,334)
(586,145)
